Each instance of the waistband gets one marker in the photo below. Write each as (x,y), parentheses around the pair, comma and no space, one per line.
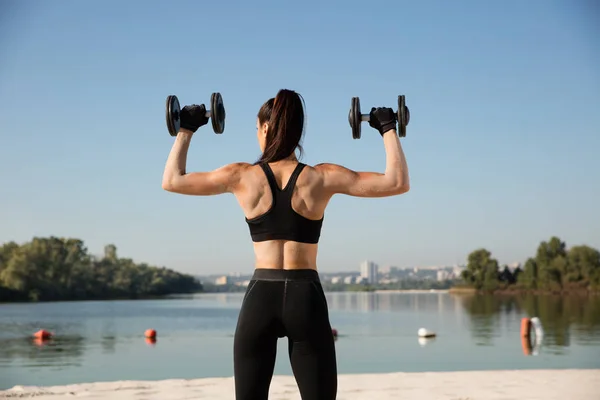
(267,274)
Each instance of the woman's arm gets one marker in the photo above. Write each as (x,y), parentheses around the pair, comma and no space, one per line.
(175,179)
(395,180)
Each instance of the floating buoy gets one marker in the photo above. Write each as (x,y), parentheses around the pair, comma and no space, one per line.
(42,334)
(424,333)
(150,341)
(536,324)
(150,334)
(525,327)
(531,345)
(526,345)
(334,332)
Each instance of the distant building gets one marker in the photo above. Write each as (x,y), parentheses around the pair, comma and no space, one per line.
(442,275)
(369,271)
(384,270)
(222,280)
(336,279)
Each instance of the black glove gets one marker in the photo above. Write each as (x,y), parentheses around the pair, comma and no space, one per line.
(193,117)
(383,119)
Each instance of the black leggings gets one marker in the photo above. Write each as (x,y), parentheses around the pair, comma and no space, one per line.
(282,303)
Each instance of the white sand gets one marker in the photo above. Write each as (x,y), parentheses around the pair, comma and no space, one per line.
(479,385)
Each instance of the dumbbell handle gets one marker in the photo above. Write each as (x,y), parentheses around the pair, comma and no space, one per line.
(208,114)
(367,117)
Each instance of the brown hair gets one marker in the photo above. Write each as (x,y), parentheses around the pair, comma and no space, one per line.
(285,117)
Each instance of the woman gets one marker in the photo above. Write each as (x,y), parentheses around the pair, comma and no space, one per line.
(284,203)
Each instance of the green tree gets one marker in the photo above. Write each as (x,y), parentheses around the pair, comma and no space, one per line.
(551,260)
(554,268)
(110,253)
(61,269)
(528,278)
(482,270)
(583,267)
(507,277)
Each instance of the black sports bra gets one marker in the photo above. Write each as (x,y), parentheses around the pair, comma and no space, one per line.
(281,222)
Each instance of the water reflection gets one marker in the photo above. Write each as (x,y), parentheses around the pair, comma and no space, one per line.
(438,301)
(425,341)
(564,318)
(475,331)
(391,301)
(66,350)
(108,344)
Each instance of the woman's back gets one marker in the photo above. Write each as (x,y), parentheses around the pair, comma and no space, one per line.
(306,200)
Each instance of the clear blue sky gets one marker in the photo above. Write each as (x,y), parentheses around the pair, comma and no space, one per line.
(502,147)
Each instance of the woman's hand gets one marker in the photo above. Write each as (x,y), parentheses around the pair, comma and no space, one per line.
(382,119)
(193,117)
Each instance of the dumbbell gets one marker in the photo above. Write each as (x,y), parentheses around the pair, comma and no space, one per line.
(216,114)
(355,117)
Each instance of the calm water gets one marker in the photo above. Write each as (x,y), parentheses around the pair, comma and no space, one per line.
(103,341)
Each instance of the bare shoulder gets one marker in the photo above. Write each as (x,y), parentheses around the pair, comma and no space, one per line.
(315,172)
(325,168)
(339,179)
(331,176)
(236,168)
(330,171)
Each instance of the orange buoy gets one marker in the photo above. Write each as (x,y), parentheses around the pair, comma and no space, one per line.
(150,341)
(40,342)
(525,327)
(334,332)
(42,334)
(150,334)
(526,345)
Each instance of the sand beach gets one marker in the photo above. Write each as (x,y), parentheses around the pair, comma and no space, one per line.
(475,385)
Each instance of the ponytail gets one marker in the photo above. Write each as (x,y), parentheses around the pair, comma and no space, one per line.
(285,125)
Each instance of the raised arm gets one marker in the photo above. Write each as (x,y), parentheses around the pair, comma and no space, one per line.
(175,178)
(395,180)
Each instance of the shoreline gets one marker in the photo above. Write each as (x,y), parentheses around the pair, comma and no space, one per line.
(574,384)
(408,291)
(520,292)
(453,290)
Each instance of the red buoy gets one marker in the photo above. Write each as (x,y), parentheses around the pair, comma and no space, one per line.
(150,334)
(42,334)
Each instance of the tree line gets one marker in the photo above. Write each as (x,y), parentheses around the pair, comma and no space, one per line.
(53,268)
(554,268)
